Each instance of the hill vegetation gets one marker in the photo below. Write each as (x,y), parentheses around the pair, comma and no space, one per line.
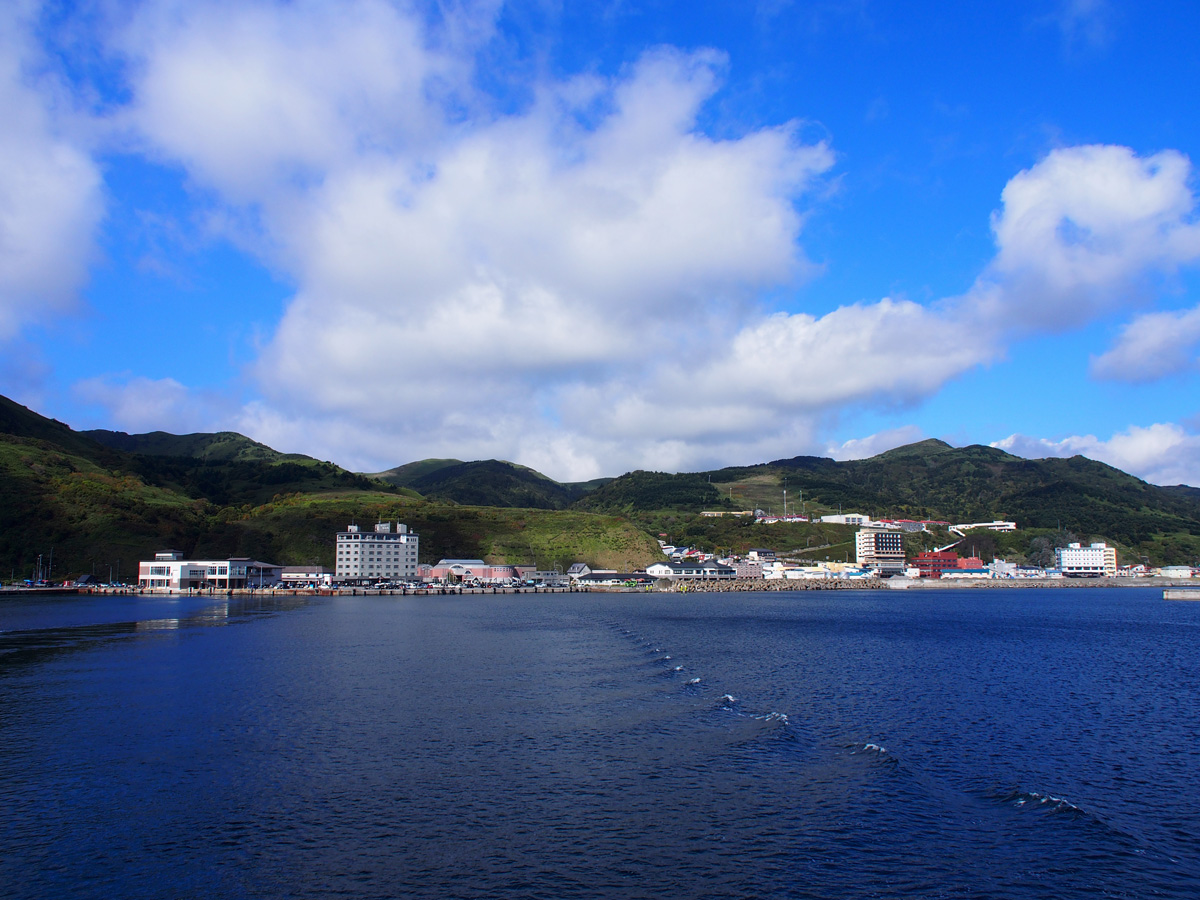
(97,506)
(105,498)
(926,480)
(490,482)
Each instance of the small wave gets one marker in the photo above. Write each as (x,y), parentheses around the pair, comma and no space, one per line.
(677,669)
(874,748)
(693,681)
(779,717)
(1046,802)
(727,699)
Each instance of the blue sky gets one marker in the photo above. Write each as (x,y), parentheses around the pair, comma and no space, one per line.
(597,237)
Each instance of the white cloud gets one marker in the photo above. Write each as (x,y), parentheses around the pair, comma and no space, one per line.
(461,279)
(1152,346)
(139,404)
(874,444)
(1163,453)
(1084,232)
(50,189)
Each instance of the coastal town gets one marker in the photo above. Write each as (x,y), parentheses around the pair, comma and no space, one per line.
(385,557)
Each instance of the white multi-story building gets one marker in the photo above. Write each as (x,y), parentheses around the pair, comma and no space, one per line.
(170,570)
(881,550)
(846,519)
(379,555)
(1077,561)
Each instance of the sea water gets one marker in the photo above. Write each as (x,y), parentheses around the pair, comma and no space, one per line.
(974,743)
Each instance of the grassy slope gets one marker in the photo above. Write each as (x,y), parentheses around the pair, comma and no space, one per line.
(403,476)
(88,514)
(301,528)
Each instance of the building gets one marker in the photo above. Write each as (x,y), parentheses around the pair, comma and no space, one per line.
(691,569)
(306,576)
(171,571)
(846,519)
(614,579)
(1003,569)
(1175,572)
(932,563)
(1077,561)
(457,571)
(881,550)
(379,555)
(748,568)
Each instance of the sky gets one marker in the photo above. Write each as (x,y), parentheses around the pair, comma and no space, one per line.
(597,237)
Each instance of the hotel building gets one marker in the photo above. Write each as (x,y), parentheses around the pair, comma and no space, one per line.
(880,550)
(379,555)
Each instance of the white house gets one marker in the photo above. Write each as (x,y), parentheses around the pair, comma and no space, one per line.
(314,576)
(696,570)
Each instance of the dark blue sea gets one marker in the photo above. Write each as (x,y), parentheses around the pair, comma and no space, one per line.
(938,744)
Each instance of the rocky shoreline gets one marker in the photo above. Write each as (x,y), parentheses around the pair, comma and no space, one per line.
(740,585)
(745,585)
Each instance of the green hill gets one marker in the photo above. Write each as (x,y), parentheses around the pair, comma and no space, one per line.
(224,446)
(403,476)
(926,480)
(643,492)
(122,497)
(489,482)
(98,507)
(301,529)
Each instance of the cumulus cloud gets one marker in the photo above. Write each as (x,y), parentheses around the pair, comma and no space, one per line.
(1086,231)
(1163,453)
(1152,346)
(575,279)
(50,189)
